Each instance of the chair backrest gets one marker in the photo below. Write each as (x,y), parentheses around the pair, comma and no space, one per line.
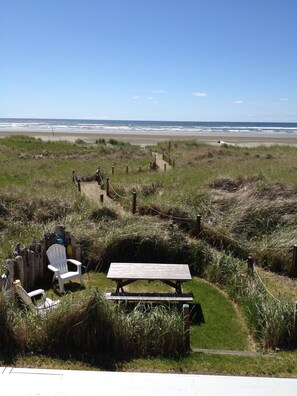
(57,257)
(24,295)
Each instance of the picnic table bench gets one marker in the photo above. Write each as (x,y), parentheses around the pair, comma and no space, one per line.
(171,274)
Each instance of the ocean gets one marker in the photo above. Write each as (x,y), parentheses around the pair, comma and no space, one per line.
(145,127)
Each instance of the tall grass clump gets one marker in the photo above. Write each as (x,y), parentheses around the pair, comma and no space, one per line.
(152,331)
(85,326)
(7,333)
(91,327)
(270,319)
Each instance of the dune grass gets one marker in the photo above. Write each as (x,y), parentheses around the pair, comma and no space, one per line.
(247,199)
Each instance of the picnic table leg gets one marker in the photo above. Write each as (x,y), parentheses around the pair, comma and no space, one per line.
(120,287)
(175,285)
(178,288)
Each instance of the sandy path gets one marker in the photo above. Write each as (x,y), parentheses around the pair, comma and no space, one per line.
(93,191)
(163,166)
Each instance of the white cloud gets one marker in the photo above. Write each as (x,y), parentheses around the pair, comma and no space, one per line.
(199,94)
(284,99)
(238,102)
(136,97)
(158,91)
(150,98)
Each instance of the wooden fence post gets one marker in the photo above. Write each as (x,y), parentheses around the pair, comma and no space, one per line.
(294,262)
(9,273)
(107,186)
(112,170)
(198,223)
(186,321)
(73,176)
(295,323)
(20,268)
(250,263)
(101,198)
(78,184)
(165,167)
(127,169)
(134,202)
(98,176)
(38,260)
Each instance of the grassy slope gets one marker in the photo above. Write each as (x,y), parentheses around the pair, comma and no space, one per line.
(32,170)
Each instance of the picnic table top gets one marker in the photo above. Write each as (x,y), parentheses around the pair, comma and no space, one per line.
(149,271)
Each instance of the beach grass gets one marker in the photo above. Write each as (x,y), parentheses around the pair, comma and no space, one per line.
(246,196)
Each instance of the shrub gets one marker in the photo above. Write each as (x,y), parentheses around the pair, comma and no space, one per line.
(100,141)
(80,141)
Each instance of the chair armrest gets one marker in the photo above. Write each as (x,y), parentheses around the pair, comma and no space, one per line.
(52,268)
(76,262)
(35,293)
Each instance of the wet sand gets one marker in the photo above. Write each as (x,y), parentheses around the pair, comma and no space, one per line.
(242,140)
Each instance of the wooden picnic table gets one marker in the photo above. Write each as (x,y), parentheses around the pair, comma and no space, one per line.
(170,274)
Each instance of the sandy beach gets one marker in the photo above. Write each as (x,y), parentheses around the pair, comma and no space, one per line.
(243,140)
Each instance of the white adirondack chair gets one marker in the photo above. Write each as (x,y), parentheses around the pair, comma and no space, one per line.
(59,265)
(42,308)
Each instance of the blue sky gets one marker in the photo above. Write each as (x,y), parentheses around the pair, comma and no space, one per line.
(187,60)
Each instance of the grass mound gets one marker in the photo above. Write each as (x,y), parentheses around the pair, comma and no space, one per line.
(260,215)
(149,240)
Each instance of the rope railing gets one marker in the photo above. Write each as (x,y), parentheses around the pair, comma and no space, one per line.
(116,193)
(172,217)
(265,287)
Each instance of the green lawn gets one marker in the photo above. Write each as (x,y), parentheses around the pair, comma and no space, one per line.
(222,327)
(283,364)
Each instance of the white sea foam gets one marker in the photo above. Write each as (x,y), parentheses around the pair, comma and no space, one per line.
(146,127)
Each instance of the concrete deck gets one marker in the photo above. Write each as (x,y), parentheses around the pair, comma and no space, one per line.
(30,382)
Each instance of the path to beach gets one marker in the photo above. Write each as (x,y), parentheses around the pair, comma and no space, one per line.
(162,165)
(93,191)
